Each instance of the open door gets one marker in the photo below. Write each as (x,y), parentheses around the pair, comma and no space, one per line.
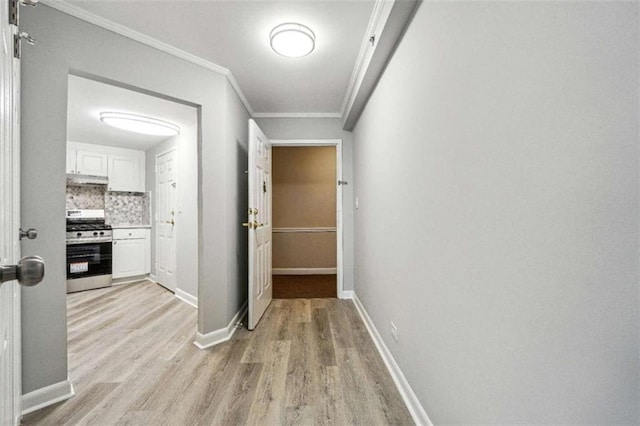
(29,270)
(259,224)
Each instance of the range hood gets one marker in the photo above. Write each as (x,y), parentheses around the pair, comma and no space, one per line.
(75,179)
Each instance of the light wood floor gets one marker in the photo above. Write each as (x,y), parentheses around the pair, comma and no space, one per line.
(132,361)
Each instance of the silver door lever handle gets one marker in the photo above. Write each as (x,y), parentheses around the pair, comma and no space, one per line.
(29,271)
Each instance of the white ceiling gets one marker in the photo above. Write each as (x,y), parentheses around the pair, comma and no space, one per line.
(88,98)
(234,34)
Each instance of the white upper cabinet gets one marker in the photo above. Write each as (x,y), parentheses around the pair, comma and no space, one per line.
(123,167)
(71,158)
(126,171)
(92,163)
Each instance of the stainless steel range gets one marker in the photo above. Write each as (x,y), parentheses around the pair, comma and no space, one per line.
(89,250)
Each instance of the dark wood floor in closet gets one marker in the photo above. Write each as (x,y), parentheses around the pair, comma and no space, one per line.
(304,286)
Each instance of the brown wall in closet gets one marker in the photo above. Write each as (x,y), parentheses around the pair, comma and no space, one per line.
(304,196)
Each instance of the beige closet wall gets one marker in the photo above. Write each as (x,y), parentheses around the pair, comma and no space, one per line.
(304,200)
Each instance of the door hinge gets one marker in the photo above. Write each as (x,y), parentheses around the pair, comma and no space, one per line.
(13,12)
(14,8)
(17,43)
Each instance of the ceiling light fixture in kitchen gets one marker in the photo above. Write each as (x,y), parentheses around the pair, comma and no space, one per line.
(292,40)
(139,123)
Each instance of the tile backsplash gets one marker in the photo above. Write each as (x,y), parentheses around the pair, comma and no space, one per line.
(120,208)
(85,197)
(127,208)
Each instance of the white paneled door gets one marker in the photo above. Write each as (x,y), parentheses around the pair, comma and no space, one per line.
(166,193)
(10,385)
(259,224)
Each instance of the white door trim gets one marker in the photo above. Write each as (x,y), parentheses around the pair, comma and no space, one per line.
(339,211)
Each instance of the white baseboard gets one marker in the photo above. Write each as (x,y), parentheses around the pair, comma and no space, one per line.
(187,298)
(47,396)
(204,341)
(418,413)
(129,280)
(346,294)
(304,271)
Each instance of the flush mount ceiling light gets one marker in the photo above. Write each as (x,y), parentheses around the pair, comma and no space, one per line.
(292,40)
(139,123)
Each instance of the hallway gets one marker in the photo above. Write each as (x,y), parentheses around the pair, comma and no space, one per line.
(132,361)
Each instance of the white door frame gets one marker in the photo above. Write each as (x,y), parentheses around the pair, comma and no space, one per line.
(339,212)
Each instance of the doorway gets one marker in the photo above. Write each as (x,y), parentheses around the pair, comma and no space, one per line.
(150,207)
(307,232)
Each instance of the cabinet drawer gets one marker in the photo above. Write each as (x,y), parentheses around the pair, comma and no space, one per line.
(132,233)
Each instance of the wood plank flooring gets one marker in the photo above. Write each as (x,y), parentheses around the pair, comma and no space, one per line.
(132,361)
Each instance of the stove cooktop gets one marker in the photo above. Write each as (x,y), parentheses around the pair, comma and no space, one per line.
(87,227)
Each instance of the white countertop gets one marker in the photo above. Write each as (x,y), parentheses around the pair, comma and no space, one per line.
(130,226)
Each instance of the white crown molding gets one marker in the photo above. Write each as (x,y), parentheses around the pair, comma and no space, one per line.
(381,10)
(204,341)
(46,396)
(297,115)
(388,23)
(418,413)
(70,9)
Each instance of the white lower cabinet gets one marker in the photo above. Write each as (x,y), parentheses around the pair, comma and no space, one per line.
(131,252)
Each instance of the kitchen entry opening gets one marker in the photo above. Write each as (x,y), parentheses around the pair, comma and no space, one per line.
(132,164)
(305,221)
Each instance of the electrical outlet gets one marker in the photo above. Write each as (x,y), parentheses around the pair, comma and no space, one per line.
(394,331)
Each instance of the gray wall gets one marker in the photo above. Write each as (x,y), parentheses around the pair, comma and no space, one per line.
(186,145)
(236,204)
(496,168)
(66,43)
(324,128)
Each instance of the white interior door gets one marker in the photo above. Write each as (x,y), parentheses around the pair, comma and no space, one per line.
(166,219)
(10,373)
(259,224)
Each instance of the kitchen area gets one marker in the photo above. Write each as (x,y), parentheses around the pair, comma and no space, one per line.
(128,217)
(108,216)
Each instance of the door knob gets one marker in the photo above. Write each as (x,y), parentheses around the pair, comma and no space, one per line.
(31,233)
(171,222)
(248,225)
(29,271)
